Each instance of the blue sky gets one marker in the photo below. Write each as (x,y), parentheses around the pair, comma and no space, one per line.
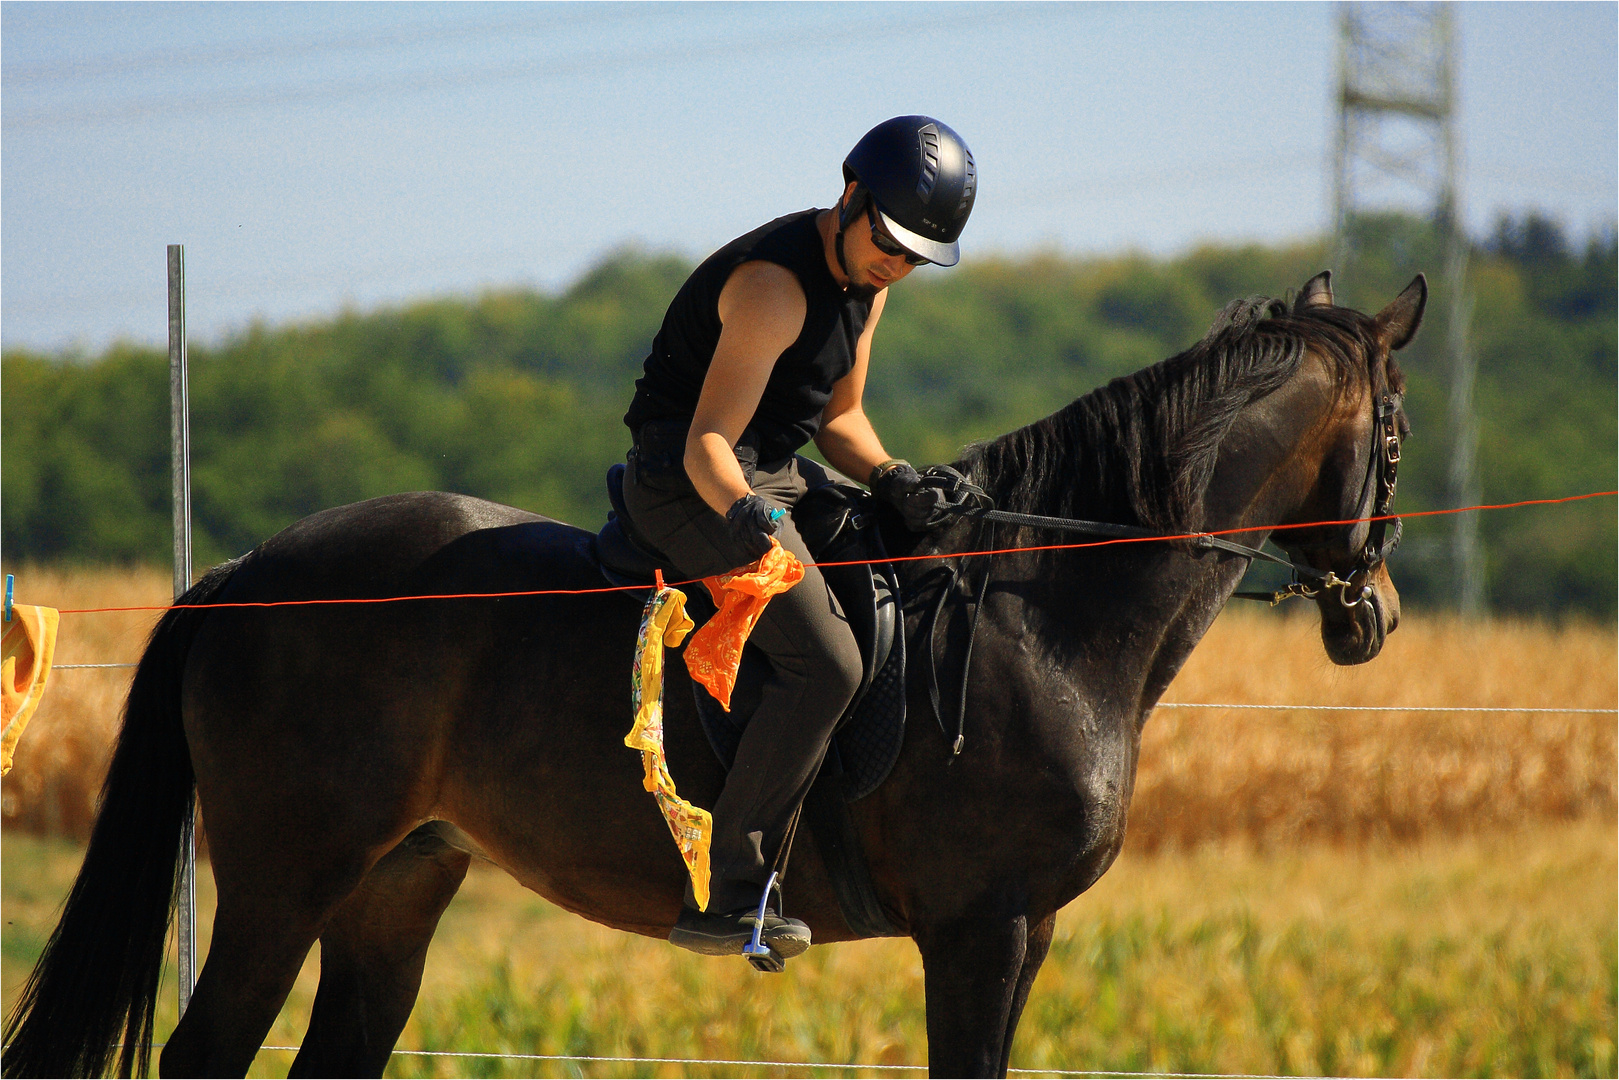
(316,156)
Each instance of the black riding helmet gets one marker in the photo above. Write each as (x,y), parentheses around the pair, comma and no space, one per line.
(921,178)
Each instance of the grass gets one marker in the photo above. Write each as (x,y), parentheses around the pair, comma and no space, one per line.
(1488,955)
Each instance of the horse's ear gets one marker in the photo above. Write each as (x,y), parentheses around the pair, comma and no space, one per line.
(1397,323)
(1317,292)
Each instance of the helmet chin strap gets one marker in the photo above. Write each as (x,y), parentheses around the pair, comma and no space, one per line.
(848,210)
(859,292)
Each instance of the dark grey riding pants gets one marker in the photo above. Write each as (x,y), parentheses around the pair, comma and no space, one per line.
(815,668)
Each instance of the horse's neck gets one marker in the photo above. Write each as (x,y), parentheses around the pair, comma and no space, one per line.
(1159,596)
(1259,481)
(1268,459)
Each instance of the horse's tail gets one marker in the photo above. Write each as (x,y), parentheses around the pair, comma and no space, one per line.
(96,983)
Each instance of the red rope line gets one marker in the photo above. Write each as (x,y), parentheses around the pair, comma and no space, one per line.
(849,562)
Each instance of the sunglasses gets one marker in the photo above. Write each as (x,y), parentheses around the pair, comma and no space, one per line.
(886,244)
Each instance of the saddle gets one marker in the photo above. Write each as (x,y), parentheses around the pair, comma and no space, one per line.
(839,524)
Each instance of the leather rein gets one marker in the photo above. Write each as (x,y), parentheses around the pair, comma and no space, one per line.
(1377,494)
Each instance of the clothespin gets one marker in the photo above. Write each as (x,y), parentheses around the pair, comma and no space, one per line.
(10,581)
(657,575)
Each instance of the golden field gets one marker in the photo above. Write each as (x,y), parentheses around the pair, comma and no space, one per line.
(1487,955)
(1270,777)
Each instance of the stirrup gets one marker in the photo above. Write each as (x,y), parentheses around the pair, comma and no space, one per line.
(760,955)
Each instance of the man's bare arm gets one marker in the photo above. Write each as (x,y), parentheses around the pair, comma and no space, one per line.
(847,438)
(762,309)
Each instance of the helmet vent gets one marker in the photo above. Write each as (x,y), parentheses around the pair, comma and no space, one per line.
(930,161)
(969,185)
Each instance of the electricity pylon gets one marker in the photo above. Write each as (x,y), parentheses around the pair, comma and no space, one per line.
(1399,145)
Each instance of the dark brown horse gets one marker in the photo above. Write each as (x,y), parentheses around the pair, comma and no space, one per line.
(352,758)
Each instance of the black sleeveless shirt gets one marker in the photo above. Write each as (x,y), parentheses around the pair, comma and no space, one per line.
(789,412)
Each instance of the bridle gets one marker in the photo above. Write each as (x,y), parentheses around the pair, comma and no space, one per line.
(1372,510)
(1377,496)
(1379,542)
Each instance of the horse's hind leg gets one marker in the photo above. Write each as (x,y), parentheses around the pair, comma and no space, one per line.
(371,957)
(259,942)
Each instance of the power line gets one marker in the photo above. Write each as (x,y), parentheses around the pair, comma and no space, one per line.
(1560,178)
(1187,174)
(278,287)
(841,35)
(169,59)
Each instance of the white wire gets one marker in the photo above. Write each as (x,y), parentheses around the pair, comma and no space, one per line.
(813,1065)
(1224,705)
(1375,708)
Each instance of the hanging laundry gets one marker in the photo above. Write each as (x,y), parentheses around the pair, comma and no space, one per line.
(664,623)
(715,651)
(27,647)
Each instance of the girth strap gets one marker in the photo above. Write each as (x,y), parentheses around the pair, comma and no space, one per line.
(925,637)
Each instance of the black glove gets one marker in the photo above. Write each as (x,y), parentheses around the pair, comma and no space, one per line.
(928,499)
(753,522)
(899,485)
(959,495)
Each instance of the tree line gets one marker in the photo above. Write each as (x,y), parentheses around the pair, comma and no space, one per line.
(517,396)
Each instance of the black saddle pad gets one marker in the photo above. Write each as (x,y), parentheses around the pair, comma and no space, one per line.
(839,524)
(869,735)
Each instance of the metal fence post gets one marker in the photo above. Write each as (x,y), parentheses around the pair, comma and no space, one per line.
(180,456)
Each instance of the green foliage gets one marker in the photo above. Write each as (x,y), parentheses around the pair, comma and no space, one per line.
(517,396)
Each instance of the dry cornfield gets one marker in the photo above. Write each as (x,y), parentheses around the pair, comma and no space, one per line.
(1269,777)
(1283,776)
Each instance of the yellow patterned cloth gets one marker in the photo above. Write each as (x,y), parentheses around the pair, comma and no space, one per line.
(664,623)
(28,644)
(715,652)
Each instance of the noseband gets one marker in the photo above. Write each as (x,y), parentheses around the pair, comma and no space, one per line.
(1376,497)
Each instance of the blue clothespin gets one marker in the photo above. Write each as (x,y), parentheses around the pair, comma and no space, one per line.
(10,581)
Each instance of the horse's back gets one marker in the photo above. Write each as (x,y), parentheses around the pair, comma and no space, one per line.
(418,543)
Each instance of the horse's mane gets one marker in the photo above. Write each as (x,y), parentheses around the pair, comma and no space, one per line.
(1141,450)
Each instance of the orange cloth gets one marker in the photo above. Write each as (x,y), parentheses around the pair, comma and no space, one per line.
(715,652)
(27,647)
(664,623)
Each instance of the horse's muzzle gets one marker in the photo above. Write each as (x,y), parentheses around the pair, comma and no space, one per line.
(1357,619)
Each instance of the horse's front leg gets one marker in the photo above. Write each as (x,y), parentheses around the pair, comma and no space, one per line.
(973,971)
(1034,954)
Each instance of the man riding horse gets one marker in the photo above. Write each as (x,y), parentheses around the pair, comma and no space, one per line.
(765,347)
